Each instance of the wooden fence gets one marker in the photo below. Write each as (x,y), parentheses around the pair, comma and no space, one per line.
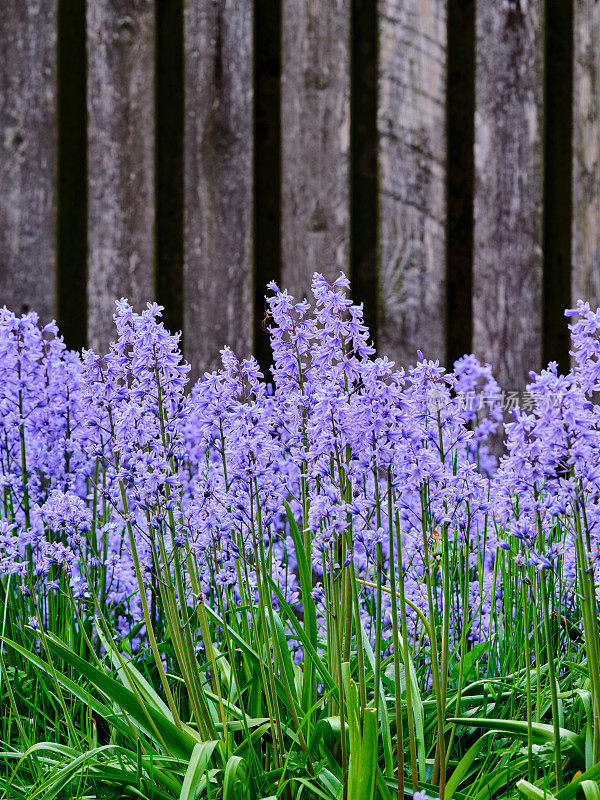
(444,153)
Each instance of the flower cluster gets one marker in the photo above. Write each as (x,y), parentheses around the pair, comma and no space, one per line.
(113,474)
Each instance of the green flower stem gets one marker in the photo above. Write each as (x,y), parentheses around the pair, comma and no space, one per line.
(378,571)
(268,686)
(553,690)
(415,608)
(405,659)
(525,602)
(378,613)
(169,602)
(146,612)
(463,647)
(279,661)
(590,629)
(397,689)
(435,672)
(102,621)
(263,622)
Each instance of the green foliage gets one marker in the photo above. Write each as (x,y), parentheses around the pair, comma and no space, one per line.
(87,717)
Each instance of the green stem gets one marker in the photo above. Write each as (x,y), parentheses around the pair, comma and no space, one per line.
(435,673)
(525,601)
(553,690)
(397,689)
(405,659)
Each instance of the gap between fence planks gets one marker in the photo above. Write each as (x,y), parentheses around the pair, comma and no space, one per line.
(218,285)
(412,152)
(28,157)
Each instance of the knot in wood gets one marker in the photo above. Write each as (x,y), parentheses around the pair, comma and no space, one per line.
(316,78)
(318,220)
(15,139)
(125,30)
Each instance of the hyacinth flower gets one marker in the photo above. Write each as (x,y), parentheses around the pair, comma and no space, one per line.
(186,494)
(338,527)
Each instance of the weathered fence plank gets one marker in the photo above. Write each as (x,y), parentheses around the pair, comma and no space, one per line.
(315,139)
(507,258)
(586,153)
(331,205)
(412,148)
(120,51)
(218,180)
(28,156)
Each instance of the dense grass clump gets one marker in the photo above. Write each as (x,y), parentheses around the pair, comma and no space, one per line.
(320,584)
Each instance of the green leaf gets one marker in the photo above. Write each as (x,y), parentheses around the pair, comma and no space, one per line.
(469,661)
(308,604)
(493,782)
(61,778)
(569,791)
(177,742)
(590,789)
(236,772)
(572,744)
(299,630)
(286,655)
(314,790)
(133,679)
(362,770)
(325,725)
(382,786)
(252,655)
(196,771)
(531,792)
(418,711)
(76,690)
(225,669)
(383,709)
(331,782)
(249,740)
(368,755)
(461,770)
(586,700)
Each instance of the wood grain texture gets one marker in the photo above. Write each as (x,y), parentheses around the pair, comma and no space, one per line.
(412,153)
(120,51)
(315,114)
(507,258)
(28,156)
(218,287)
(586,153)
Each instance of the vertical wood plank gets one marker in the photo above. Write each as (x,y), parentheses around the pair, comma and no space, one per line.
(28,157)
(507,258)
(412,156)
(218,286)
(120,52)
(315,113)
(586,153)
